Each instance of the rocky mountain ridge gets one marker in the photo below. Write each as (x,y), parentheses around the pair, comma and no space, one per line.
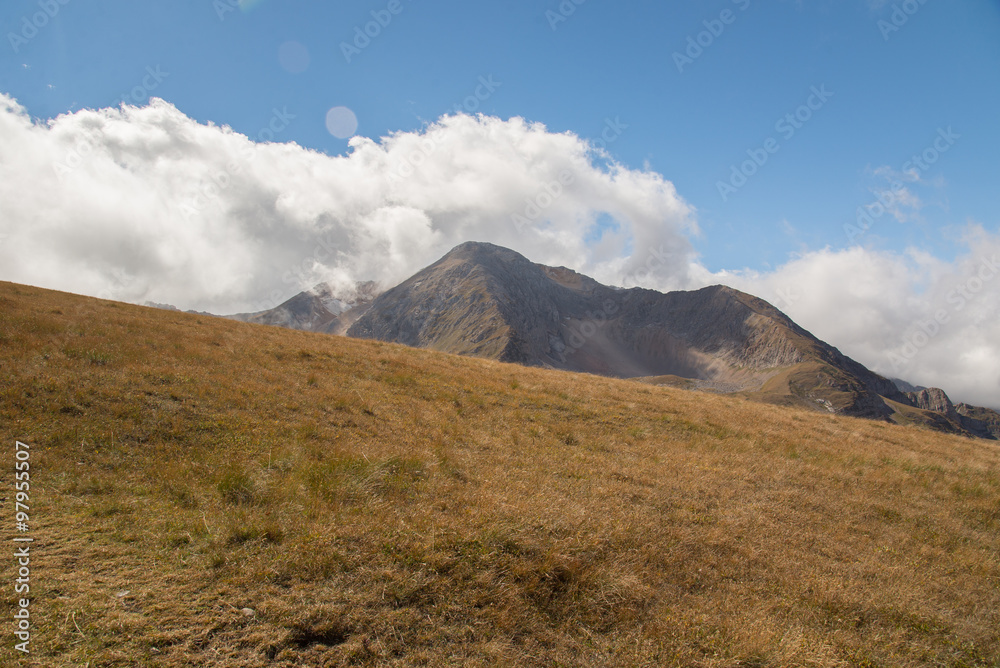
(980,422)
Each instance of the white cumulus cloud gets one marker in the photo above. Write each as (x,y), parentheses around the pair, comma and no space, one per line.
(144,203)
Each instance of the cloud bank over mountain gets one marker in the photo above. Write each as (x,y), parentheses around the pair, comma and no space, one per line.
(145,203)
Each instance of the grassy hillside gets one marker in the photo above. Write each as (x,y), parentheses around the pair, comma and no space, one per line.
(209,492)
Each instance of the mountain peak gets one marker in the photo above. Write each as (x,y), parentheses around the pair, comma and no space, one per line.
(481,251)
(485,300)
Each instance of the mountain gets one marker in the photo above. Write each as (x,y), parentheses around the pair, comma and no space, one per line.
(318,309)
(488,301)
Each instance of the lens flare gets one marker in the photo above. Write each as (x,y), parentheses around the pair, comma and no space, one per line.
(293,57)
(341,122)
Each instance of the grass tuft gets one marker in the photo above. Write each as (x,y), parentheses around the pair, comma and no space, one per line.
(236,487)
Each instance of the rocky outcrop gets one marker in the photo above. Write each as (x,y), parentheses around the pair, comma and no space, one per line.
(933,399)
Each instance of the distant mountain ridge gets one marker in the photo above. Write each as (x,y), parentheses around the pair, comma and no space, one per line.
(488,301)
(317,309)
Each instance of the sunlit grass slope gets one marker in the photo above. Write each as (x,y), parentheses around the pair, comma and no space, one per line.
(272,497)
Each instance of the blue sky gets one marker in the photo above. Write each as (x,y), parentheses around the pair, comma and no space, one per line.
(605,61)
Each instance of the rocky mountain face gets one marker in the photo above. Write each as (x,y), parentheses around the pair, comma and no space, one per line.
(988,419)
(491,302)
(933,399)
(488,301)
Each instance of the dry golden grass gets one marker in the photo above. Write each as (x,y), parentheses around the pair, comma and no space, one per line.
(378,505)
